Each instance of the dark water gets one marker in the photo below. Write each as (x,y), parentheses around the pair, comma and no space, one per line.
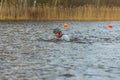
(24,56)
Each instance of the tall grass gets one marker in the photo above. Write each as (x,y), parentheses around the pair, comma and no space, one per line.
(59,13)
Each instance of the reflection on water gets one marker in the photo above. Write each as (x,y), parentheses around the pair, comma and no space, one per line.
(23,56)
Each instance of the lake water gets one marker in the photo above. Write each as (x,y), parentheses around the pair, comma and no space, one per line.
(24,56)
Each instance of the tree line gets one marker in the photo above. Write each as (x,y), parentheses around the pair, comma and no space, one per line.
(63,3)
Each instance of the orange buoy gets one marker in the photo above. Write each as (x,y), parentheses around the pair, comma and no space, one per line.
(65,25)
(110,26)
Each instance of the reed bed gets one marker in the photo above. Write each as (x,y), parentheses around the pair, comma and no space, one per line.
(59,13)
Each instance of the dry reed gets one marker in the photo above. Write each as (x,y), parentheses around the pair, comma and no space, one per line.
(59,13)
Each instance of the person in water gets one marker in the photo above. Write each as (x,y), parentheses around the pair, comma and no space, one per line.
(59,35)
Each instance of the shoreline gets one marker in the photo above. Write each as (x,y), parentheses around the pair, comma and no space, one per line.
(52,20)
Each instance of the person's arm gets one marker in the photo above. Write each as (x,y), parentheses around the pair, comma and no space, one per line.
(56,39)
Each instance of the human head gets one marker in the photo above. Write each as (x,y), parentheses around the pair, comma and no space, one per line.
(57,32)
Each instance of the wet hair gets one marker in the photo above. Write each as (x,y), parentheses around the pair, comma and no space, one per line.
(56,30)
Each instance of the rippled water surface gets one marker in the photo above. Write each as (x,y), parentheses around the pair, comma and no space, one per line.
(24,56)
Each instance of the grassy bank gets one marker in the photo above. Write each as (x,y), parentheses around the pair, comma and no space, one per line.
(59,13)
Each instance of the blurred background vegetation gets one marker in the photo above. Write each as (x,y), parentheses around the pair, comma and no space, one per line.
(64,3)
(59,9)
